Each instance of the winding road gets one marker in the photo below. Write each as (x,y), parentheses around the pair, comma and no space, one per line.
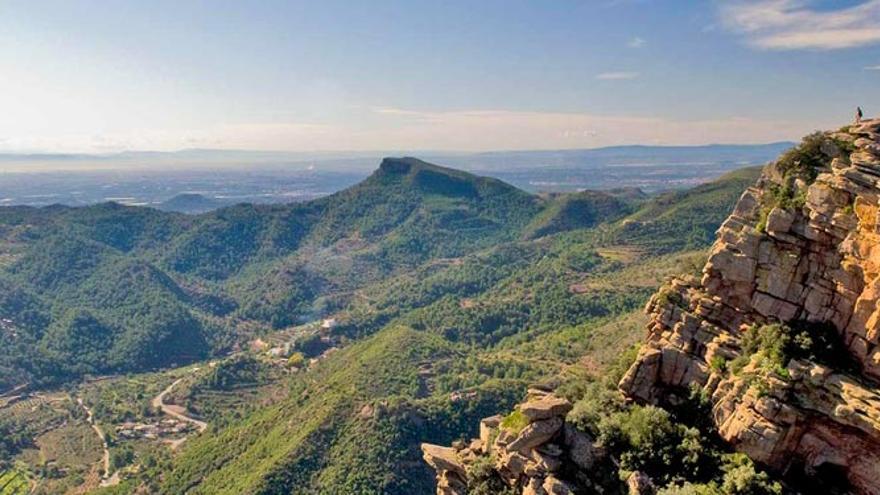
(176,411)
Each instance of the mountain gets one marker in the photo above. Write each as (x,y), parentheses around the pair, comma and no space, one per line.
(764,359)
(454,341)
(149,279)
(451,293)
(483,161)
(577,211)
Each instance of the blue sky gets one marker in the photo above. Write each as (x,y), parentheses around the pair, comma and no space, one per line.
(427,75)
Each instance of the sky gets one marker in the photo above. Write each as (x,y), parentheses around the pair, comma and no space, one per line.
(453,75)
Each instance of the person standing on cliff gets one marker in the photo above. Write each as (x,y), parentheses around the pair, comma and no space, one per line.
(859,114)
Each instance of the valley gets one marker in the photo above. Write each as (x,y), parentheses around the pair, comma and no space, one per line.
(464,293)
(336,247)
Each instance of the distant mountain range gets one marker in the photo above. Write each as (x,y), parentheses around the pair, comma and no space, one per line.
(364,160)
(194,181)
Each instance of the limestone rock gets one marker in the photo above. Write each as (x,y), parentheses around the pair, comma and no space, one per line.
(488,426)
(531,460)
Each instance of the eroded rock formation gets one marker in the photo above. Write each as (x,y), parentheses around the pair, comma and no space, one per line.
(811,258)
(531,456)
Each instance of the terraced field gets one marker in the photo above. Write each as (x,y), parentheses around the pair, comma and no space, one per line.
(14,482)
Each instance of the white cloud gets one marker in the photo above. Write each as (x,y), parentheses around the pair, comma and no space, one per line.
(636,42)
(617,76)
(793,25)
(873,67)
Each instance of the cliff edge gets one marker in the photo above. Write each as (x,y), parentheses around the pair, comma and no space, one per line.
(783,330)
(779,339)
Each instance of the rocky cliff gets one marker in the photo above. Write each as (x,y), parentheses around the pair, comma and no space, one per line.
(781,335)
(799,258)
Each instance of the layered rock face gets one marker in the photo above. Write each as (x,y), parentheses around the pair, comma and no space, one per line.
(811,259)
(534,456)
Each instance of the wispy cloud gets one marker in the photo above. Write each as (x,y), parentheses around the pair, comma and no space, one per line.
(408,130)
(636,42)
(873,67)
(794,25)
(617,76)
(474,130)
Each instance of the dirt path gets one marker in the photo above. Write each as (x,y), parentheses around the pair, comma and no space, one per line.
(175,411)
(107,479)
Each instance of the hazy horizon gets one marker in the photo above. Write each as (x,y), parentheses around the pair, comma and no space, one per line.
(343,160)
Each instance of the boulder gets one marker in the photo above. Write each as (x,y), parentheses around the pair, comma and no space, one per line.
(443,459)
(545,408)
(779,220)
(535,434)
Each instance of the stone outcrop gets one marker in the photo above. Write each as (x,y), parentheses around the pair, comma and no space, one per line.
(814,261)
(529,457)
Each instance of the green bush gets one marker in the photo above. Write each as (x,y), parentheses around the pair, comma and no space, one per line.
(484,480)
(775,345)
(645,438)
(515,421)
(801,163)
(742,478)
(718,364)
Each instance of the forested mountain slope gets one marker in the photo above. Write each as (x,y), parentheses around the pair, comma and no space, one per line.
(112,288)
(450,342)
(452,293)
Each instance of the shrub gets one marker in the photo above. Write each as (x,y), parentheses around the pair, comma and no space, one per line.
(598,402)
(484,480)
(776,344)
(668,297)
(770,343)
(718,364)
(515,421)
(296,360)
(802,161)
(646,439)
(741,478)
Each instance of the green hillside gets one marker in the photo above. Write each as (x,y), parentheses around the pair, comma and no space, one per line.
(577,211)
(456,342)
(453,293)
